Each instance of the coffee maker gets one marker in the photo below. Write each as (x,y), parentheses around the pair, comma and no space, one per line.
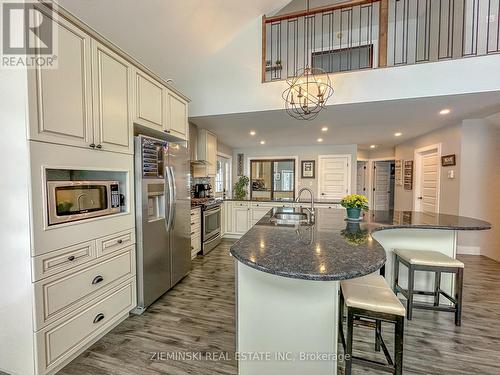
(202,190)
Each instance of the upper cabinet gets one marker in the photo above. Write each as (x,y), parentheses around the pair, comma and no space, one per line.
(177,116)
(207,151)
(112,100)
(149,101)
(85,102)
(61,99)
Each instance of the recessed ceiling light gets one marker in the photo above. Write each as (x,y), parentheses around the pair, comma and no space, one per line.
(262,142)
(444,111)
(252,132)
(324,129)
(373,146)
(398,134)
(320,139)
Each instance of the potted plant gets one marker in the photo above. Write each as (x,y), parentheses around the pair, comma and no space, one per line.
(354,203)
(240,188)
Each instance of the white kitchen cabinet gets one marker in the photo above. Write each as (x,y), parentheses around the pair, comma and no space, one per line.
(228,215)
(241,220)
(149,101)
(61,99)
(257,212)
(177,116)
(112,100)
(195,231)
(207,150)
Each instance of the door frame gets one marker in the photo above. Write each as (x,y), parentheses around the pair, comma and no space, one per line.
(230,158)
(418,173)
(349,171)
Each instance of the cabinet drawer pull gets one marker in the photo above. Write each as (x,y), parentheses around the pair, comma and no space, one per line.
(97,280)
(119,241)
(192,223)
(192,233)
(98,318)
(71,258)
(192,248)
(99,146)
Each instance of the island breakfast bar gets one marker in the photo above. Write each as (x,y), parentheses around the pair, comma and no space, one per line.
(288,279)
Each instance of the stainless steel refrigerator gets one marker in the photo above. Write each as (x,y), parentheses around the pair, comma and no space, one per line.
(162,206)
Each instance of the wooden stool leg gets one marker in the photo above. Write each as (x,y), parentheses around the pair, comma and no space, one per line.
(459,284)
(437,287)
(348,352)
(409,303)
(341,320)
(398,346)
(378,333)
(395,274)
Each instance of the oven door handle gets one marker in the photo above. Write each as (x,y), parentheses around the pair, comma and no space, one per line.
(211,210)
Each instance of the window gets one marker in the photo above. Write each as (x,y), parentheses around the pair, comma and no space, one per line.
(223,175)
(272,179)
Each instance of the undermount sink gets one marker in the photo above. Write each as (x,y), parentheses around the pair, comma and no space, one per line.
(290,218)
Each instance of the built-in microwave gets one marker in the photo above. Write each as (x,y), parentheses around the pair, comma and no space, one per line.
(77,200)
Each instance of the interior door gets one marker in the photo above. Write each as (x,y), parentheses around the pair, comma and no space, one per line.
(428,184)
(381,185)
(180,233)
(334,178)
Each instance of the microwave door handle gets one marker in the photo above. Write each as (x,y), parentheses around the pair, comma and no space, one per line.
(174,196)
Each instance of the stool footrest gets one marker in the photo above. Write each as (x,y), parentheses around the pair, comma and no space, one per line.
(373,364)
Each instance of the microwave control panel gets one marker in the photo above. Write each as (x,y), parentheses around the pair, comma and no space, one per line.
(115,196)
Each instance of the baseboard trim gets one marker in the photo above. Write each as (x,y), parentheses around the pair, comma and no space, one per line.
(468,250)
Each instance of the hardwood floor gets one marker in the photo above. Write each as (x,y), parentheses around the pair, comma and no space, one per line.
(198,316)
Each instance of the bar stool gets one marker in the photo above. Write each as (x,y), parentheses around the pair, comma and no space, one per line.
(431,261)
(370,301)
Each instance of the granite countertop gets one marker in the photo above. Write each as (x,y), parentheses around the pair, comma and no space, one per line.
(332,248)
(268,200)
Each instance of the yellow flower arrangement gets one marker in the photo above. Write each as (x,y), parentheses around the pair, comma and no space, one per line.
(355,201)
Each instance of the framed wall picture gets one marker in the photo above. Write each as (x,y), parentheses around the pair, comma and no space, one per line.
(308,169)
(398,172)
(408,175)
(448,160)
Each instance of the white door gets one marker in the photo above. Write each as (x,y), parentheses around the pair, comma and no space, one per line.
(111,88)
(62,113)
(361,179)
(427,180)
(381,185)
(334,178)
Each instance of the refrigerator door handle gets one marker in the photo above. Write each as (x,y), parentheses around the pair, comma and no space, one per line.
(174,196)
(168,193)
(168,203)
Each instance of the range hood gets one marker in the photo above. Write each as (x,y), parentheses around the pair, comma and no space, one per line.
(193,146)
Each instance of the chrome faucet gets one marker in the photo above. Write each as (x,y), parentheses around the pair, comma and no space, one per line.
(312,198)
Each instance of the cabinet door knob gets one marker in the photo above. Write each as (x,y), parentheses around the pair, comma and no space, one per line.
(92,145)
(97,280)
(99,146)
(71,258)
(167,131)
(98,318)
(119,241)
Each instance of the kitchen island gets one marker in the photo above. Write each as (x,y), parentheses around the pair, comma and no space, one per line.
(288,279)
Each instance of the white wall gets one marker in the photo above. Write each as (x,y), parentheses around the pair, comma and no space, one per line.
(234,83)
(480,185)
(450,138)
(302,153)
(16,322)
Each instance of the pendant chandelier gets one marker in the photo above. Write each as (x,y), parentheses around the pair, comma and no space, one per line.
(309,89)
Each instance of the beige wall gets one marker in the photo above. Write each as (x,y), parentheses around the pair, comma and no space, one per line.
(382,153)
(221,147)
(303,153)
(480,185)
(450,139)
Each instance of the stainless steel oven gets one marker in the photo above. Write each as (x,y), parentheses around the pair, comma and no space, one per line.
(211,226)
(77,200)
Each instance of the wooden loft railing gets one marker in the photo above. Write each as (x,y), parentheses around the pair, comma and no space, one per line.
(367,34)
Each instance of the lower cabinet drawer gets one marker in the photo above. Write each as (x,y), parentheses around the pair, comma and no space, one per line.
(57,343)
(56,296)
(114,242)
(61,260)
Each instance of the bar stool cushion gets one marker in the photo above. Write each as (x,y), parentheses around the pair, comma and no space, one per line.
(428,258)
(377,296)
(373,279)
